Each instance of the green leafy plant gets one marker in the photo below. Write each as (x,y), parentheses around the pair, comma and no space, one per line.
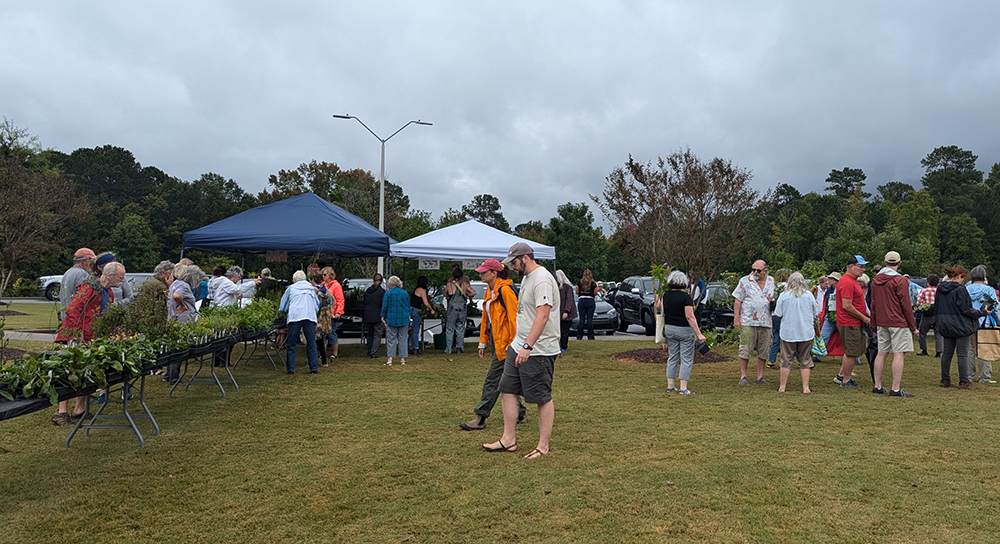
(729,337)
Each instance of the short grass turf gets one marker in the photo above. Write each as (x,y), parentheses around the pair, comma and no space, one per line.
(365,452)
(38,315)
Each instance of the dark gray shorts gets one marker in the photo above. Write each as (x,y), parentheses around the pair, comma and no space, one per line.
(532,380)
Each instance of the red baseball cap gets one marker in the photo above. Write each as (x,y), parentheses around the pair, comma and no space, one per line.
(84,252)
(490,264)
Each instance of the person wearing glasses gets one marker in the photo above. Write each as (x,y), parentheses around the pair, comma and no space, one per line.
(852,318)
(752,314)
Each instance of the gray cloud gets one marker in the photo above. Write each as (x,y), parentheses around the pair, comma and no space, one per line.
(532,102)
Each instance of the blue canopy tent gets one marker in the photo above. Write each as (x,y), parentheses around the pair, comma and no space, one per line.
(301,225)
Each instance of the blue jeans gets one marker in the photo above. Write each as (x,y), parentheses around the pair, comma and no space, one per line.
(827,330)
(308,328)
(586,307)
(331,337)
(414,330)
(775,338)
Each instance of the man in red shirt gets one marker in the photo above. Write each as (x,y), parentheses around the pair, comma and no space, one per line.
(852,317)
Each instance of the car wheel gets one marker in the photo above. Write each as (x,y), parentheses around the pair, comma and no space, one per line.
(622,324)
(649,324)
(52,291)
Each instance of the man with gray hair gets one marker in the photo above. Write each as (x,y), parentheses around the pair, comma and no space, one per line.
(156,285)
(228,291)
(752,316)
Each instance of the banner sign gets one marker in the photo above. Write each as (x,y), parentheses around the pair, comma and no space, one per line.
(429,264)
(471,264)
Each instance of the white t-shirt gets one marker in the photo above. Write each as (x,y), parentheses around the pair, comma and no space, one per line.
(538,288)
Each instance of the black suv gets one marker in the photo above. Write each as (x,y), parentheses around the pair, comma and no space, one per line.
(634,301)
(718,312)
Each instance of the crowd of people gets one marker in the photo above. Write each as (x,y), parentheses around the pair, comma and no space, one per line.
(846,314)
(95,282)
(851,315)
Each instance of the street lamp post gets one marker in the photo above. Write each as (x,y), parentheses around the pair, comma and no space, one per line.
(381,171)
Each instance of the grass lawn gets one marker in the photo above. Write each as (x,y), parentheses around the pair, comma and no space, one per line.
(40,315)
(364,452)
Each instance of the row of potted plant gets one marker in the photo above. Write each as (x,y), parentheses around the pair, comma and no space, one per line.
(129,340)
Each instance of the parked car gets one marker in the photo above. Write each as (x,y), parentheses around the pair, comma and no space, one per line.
(718,312)
(49,286)
(605,317)
(634,303)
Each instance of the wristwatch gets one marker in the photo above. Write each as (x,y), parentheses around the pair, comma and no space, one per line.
(526,346)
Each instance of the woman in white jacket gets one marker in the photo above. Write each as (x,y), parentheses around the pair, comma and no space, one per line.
(301,303)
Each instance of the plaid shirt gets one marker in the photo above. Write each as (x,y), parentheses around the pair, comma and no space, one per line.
(926,295)
(396,307)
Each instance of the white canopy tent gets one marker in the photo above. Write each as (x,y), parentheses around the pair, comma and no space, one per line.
(468,240)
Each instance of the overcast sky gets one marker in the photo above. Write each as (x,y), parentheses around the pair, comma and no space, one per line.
(534,102)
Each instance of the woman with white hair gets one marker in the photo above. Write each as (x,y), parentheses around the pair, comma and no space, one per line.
(396,318)
(797,308)
(301,304)
(181,306)
(567,309)
(678,324)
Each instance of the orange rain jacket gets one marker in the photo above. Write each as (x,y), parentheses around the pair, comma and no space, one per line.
(502,316)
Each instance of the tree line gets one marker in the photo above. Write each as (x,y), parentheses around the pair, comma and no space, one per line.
(693,214)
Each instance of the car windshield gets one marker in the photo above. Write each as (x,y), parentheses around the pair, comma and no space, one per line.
(648,285)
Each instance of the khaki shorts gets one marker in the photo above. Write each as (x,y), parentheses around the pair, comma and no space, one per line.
(894,340)
(854,341)
(801,349)
(753,338)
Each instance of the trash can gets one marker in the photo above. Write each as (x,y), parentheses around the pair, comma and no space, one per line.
(439,341)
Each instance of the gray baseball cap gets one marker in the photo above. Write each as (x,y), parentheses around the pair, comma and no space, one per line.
(518,250)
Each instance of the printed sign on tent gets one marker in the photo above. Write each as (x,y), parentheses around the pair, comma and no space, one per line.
(429,264)
(471,264)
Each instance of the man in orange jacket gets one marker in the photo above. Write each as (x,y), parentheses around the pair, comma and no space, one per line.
(496,332)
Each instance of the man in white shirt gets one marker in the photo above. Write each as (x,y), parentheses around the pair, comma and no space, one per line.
(228,290)
(531,356)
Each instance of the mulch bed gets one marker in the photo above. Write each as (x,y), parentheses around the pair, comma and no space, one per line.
(7,354)
(658,356)
(11,312)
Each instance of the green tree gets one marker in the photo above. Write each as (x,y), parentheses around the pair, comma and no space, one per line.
(851,238)
(486,210)
(133,243)
(579,244)
(952,179)
(895,191)
(962,240)
(34,205)
(917,216)
(451,217)
(532,230)
(683,211)
(844,183)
